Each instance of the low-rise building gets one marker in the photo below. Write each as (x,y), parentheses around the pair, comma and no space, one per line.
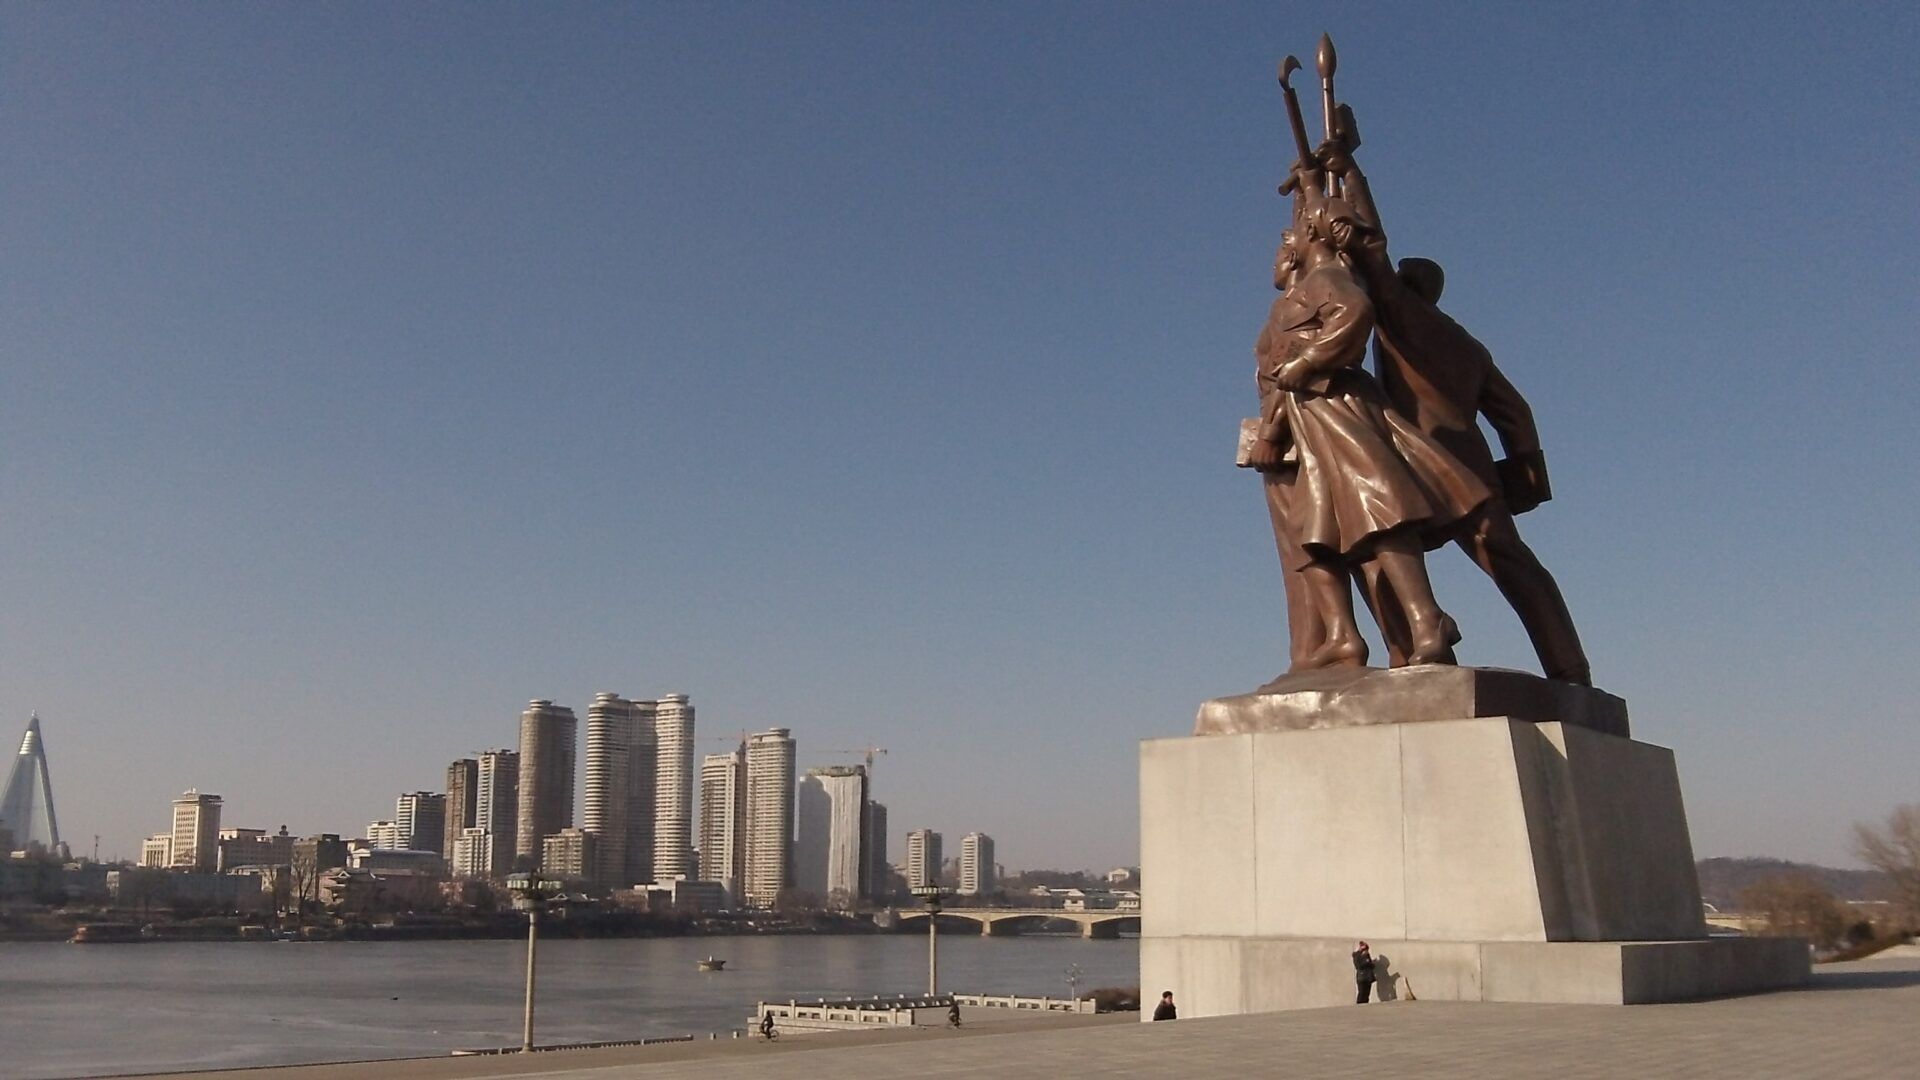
(426,864)
(569,854)
(386,834)
(354,891)
(686,895)
(472,854)
(215,892)
(254,847)
(156,851)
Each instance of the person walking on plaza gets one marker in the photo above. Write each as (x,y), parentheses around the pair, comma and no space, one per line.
(1363,973)
(1165,1010)
(953,1012)
(766,1027)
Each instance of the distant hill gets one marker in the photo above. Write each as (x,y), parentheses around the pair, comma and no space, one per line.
(1723,880)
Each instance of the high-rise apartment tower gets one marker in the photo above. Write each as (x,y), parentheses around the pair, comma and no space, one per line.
(496,810)
(769,847)
(879,870)
(829,845)
(723,812)
(977,874)
(548,733)
(463,801)
(618,804)
(673,798)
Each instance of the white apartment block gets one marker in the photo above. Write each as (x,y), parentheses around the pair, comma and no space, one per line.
(977,876)
(422,819)
(923,858)
(196,831)
(496,809)
(769,817)
(472,855)
(386,836)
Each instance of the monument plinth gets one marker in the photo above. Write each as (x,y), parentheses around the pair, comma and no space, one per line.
(1348,697)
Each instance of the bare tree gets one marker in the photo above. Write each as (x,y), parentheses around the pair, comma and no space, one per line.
(1894,850)
(1798,906)
(303,878)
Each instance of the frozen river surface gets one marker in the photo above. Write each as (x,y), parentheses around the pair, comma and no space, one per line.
(71,1010)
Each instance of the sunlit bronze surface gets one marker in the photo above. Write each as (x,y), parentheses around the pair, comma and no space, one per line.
(1361,476)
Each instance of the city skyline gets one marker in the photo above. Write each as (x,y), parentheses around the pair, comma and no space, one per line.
(821,833)
(349,393)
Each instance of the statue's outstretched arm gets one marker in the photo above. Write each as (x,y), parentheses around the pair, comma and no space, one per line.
(1509,414)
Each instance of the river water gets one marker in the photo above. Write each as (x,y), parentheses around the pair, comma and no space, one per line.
(74,1010)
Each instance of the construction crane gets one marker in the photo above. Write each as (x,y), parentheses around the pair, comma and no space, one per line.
(868,753)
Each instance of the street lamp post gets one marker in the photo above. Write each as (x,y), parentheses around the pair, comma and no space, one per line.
(932,894)
(531,895)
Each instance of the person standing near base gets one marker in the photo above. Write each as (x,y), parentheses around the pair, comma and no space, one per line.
(1363,973)
(1165,1010)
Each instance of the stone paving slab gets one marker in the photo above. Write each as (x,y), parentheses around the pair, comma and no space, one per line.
(1856,1021)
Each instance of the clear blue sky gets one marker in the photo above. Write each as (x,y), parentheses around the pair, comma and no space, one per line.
(874,371)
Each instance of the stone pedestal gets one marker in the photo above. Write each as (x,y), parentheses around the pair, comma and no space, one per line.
(1488,858)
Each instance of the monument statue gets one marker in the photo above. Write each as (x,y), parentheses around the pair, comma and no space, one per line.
(1363,476)
(1503,834)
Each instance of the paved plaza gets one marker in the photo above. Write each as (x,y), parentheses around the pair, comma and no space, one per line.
(1856,1020)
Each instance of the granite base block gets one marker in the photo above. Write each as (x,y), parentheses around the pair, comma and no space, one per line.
(1466,830)
(1222,976)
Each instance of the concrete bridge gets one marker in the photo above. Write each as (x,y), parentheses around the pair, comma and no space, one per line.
(998,921)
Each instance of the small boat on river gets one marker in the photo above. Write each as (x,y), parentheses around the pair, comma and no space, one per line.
(712,963)
(96,933)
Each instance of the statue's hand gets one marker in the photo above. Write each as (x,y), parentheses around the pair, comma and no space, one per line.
(1292,375)
(1265,456)
(1523,480)
(1335,157)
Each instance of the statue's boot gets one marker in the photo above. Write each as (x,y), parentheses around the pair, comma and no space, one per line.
(1431,633)
(1327,586)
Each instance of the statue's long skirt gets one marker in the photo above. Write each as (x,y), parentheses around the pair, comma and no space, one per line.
(1364,470)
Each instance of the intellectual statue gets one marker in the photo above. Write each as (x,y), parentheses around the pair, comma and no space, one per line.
(1367,486)
(1363,476)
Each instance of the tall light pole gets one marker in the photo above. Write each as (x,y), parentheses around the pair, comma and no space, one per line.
(531,895)
(932,894)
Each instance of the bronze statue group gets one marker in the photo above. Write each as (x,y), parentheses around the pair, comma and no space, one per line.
(1366,472)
